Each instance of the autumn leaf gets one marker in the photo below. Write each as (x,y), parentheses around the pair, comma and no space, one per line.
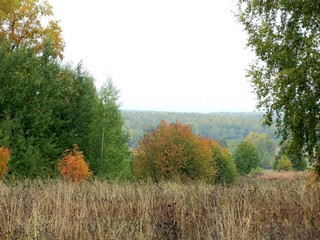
(22,24)
(172,151)
(4,159)
(72,165)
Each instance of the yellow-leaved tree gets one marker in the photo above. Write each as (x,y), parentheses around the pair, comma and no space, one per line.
(28,23)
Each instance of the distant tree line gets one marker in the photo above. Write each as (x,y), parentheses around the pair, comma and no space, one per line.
(229,129)
(224,127)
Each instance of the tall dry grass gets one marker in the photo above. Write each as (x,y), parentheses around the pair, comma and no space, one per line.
(258,209)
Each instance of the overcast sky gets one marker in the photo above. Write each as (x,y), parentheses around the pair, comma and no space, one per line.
(164,55)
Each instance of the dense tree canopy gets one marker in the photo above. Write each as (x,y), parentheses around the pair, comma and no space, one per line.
(47,107)
(31,113)
(22,24)
(285,36)
(44,109)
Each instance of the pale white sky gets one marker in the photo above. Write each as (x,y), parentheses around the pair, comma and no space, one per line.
(165,55)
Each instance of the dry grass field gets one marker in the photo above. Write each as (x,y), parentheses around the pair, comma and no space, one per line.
(256,208)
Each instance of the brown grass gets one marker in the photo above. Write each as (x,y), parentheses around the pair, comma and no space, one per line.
(101,210)
(282,175)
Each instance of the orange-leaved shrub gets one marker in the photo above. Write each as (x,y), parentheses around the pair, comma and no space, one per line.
(173,152)
(4,159)
(72,165)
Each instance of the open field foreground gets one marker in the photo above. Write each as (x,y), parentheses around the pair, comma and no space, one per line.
(255,209)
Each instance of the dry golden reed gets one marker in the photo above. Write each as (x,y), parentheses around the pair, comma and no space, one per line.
(259,209)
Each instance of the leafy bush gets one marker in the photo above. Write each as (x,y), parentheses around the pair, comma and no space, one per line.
(256,172)
(72,166)
(226,169)
(284,164)
(266,148)
(246,157)
(172,152)
(4,159)
(298,160)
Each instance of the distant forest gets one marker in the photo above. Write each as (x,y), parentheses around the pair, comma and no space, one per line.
(226,128)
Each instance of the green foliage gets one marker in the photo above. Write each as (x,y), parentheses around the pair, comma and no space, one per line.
(46,107)
(283,164)
(173,152)
(285,37)
(298,161)
(76,108)
(109,154)
(225,166)
(256,172)
(246,157)
(27,93)
(266,148)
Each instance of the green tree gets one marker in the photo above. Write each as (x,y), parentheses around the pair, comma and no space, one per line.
(76,106)
(44,109)
(29,80)
(283,164)
(297,159)
(224,164)
(266,148)
(26,110)
(285,37)
(109,155)
(246,157)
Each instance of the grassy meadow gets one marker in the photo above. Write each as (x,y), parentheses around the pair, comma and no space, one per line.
(271,206)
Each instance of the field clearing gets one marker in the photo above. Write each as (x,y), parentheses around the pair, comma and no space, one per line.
(256,209)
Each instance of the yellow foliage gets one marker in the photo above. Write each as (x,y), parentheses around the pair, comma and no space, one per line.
(284,164)
(21,24)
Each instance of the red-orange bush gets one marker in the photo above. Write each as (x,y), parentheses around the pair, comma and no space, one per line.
(172,151)
(4,159)
(72,165)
